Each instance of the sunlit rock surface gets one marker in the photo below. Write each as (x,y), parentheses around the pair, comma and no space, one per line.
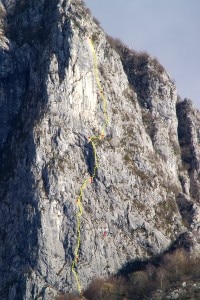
(146,193)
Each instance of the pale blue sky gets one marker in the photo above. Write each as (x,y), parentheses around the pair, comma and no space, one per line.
(167,29)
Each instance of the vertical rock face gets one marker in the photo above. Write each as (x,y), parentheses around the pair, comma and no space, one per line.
(189,137)
(145,195)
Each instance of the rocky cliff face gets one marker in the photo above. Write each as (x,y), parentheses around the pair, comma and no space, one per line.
(145,196)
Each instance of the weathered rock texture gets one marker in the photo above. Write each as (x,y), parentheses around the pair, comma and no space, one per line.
(146,195)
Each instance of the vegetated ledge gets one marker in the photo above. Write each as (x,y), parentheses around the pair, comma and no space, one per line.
(174,272)
(136,60)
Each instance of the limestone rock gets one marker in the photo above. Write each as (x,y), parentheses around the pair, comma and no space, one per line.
(148,163)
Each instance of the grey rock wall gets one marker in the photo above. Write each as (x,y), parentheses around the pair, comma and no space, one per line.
(145,195)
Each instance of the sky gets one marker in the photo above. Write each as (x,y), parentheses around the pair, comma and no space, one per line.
(167,29)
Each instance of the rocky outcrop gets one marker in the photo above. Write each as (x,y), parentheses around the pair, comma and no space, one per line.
(50,104)
(189,137)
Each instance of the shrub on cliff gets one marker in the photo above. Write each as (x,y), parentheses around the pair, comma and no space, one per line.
(135,60)
(169,272)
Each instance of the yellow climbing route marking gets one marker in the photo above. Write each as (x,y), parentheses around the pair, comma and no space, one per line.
(93,175)
(96,73)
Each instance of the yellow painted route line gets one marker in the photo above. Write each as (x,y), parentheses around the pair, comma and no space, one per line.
(99,86)
(94,172)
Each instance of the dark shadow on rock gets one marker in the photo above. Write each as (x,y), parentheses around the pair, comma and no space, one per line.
(184,133)
(45,179)
(33,29)
(90,159)
(186,210)
(182,242)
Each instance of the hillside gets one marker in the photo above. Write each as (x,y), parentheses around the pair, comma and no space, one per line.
(100,159)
